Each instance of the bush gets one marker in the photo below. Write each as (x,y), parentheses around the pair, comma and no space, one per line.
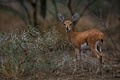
(26,52)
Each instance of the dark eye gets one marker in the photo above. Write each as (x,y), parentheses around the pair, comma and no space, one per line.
(70,24)
(64,24)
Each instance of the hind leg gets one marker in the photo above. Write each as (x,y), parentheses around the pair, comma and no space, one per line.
(99,56)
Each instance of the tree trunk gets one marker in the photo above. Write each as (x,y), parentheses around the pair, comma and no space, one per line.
(69,6)
(26,10)
(34,6)
(35,13)
(43,8)
(55,6)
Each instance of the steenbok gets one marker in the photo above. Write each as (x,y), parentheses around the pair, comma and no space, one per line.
(92,38)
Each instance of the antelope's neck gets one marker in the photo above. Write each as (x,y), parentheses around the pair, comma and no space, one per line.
(70,34)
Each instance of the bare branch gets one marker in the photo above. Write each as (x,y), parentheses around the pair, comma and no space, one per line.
(26,10)
(105,25)
(69,6)
(55,6)
(8,8)
(34,6)
(87,6)
(7,1)
(43,8)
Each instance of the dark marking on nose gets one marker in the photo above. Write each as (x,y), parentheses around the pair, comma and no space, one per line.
(67,29)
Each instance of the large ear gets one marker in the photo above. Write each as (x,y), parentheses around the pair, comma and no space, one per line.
(75,16)
(61,17)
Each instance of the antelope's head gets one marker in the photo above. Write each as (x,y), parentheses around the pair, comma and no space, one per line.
(68,22)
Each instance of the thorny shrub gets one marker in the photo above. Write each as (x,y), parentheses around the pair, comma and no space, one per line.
(28,51)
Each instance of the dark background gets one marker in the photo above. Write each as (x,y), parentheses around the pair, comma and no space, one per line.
(34,44)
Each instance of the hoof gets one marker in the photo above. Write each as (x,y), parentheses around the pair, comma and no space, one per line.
(82,69)
(74,71)
(99,71)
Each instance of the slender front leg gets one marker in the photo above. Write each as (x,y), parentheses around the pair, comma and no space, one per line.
(77,53)
(77,58)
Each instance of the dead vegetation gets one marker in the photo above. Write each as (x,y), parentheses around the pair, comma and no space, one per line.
(28,54)
(45,53)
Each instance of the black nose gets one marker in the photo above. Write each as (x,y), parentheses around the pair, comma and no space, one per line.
(67,29)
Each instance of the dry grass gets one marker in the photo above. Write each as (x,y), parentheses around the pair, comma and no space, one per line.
(26,52)
(31,55)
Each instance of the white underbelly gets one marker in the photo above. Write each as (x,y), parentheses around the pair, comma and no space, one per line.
(84,46)
(98,46)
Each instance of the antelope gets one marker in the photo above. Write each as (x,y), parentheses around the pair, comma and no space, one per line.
(92,38)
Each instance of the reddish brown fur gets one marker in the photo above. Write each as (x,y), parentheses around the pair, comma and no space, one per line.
(89,36)
(92,37)
(78,38)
